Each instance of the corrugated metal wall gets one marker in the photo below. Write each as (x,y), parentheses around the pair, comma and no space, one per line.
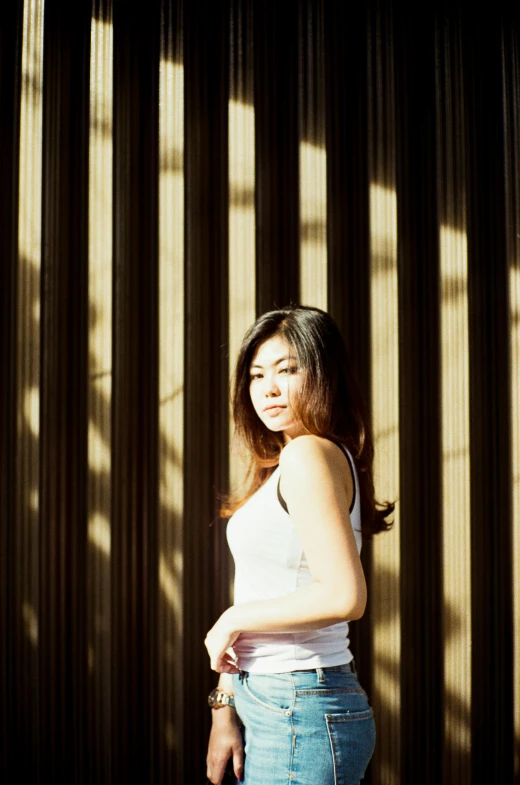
(167,171)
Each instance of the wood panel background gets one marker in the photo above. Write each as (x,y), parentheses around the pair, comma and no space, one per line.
(167,172)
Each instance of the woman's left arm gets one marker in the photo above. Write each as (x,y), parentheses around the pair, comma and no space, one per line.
(317,489)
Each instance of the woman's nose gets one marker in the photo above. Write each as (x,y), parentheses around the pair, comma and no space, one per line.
(271,387)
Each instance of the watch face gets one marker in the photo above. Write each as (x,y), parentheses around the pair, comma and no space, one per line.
(217,699)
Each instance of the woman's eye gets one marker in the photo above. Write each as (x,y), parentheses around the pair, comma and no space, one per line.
(255,376)
(290,370)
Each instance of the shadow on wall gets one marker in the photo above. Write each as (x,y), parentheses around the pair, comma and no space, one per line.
(382,769)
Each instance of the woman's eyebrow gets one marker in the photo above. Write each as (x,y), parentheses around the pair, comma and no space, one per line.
(276,362)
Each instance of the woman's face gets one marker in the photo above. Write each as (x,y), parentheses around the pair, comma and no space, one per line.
(275,381)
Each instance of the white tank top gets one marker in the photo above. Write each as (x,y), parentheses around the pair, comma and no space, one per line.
(270,562)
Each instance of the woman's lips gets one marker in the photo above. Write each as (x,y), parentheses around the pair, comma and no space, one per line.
(272,411)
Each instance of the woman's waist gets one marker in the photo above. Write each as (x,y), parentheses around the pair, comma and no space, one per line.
(332,632)
(282,652)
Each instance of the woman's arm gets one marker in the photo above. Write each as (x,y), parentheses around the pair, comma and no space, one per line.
(317,489)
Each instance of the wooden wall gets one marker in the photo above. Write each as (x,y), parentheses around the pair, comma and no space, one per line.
(168,171)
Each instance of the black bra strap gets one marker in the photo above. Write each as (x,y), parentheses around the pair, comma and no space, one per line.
(352,471)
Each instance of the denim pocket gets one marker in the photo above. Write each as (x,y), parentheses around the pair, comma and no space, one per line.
(352,737)
(272,692)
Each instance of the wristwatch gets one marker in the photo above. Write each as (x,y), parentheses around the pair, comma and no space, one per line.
(217,699)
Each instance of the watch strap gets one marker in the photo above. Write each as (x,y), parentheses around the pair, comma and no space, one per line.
(218,698)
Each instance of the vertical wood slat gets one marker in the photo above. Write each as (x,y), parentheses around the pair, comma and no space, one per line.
(421,598)
(346,119)
(100,262)
(170,664)
(276,133)
(242,188)
(346,131)
(61,639)
(345,29)
(134,561)
(312,155)
(491,601)
(205,587)
(25,589)
(511,97)
(10,67)
(456,505)
(384,354)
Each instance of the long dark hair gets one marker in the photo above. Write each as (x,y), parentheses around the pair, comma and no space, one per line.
(330,404)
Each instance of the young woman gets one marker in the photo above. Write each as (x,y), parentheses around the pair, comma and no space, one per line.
(288,689)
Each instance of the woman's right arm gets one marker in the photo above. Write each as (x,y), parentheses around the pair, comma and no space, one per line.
(225,739)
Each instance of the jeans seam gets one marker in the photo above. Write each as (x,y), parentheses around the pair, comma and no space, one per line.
(332,752)
(331,691)
(355,716)
(293,736)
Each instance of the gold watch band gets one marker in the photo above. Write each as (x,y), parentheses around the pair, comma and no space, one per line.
(217,699)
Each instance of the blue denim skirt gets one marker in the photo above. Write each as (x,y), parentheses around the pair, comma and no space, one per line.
(311,727)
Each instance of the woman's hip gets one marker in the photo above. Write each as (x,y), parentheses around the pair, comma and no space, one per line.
(305,727)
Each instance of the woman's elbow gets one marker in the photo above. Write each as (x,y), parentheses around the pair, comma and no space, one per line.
(353,604)
(358,610)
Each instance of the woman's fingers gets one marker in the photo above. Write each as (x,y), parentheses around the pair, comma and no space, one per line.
(224,666)
(238,763)
(226,663)
(215,771)
(216,765)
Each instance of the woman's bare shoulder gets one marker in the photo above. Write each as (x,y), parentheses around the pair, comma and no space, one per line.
(313,468)
(310,448)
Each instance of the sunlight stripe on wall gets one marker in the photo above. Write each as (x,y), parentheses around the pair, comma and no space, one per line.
(242,238)
(455,412)
(313,225)
(511,97)
(242,210)
(514,284)
(456,499)
(171,392)
(100,376)
(28,316)
(385,597)
(242,226)
(312,161)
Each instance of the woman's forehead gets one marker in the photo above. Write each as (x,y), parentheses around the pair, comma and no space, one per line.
(273,350)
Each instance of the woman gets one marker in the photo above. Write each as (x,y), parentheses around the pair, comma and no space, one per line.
(287,684)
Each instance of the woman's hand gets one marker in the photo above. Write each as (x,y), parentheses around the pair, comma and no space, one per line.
(219,642)
(225,742)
